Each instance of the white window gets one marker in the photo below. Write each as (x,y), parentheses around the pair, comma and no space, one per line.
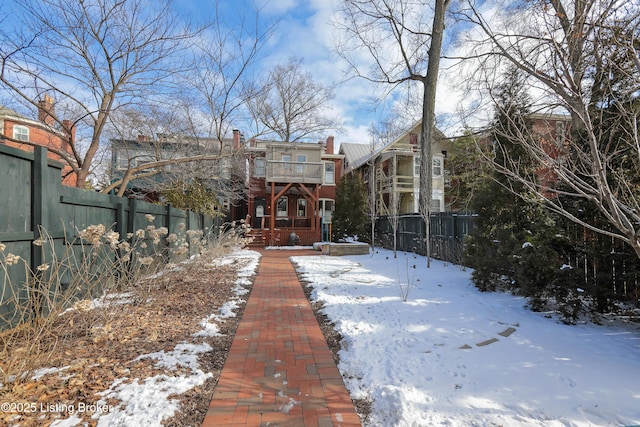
(287,168)
(123,160)
(21,133)
(329,173)
(300,158)
(282,206)
(437,166)
(435,205)
(302,208)
(259,168)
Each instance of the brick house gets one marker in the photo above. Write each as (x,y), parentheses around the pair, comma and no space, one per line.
(292,190)
(16,128)
(552,131)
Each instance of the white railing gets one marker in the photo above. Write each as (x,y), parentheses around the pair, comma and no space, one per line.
(302,172)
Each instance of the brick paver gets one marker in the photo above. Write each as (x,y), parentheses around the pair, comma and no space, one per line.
(280,371)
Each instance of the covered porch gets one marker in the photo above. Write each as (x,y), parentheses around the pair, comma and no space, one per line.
(292,209)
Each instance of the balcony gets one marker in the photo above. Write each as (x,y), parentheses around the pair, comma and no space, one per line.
(296,172)
(399,183)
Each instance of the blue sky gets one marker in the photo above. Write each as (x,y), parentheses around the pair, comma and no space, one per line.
(304,30)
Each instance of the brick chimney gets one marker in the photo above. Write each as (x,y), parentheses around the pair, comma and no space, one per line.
(238,140)
(329,146)
(46,111)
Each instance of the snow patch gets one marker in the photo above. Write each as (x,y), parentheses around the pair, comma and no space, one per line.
(419,362)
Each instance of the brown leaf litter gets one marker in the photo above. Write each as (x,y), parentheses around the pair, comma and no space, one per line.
(94,347)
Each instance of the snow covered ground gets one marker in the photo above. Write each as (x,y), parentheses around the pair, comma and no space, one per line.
(453,356)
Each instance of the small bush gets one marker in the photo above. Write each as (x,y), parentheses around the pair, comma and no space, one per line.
(77,275)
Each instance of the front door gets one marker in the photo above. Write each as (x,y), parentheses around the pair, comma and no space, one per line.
(260,204)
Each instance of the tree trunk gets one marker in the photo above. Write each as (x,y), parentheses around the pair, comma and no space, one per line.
(428,119)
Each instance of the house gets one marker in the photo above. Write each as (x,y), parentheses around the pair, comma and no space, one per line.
(551,134)
(292,190)
(19,131)
(552,131)
(225,174)
(396,171)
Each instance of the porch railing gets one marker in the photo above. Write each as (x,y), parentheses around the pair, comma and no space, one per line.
(298,172)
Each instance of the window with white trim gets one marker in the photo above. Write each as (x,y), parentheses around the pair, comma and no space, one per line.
(302,208)
(21,133)
(282,206)
(259,170)
(437,166)
(329,173)
(300,158)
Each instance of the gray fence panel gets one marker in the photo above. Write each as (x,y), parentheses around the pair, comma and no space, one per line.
(33,199)
(448,231)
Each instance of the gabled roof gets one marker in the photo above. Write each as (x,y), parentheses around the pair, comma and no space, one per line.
(354,153)
(359,162)
(8,112)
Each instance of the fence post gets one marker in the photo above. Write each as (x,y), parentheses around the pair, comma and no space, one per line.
(167,218)
(133,206)
(120,222)
(39,206)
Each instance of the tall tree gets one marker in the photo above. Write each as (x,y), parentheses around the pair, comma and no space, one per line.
(516,244)
(105,61)
(291,104)
(403,49)
(586,63)
(350,218)
(92,57)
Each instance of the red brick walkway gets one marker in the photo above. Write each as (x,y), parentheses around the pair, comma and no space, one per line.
(280,371)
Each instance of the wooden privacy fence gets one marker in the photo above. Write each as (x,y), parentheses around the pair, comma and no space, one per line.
(608,269)
(448,231)
(33,199)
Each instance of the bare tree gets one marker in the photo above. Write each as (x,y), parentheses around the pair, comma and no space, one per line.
(403,49)
(91,56)
(290,104)
(582,58)
(158,149)
(199,119)
(221,84)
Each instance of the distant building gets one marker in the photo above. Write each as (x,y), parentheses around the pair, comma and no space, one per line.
(552,132)
(396,171)
(224,175)
(19,131)
(292,190)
